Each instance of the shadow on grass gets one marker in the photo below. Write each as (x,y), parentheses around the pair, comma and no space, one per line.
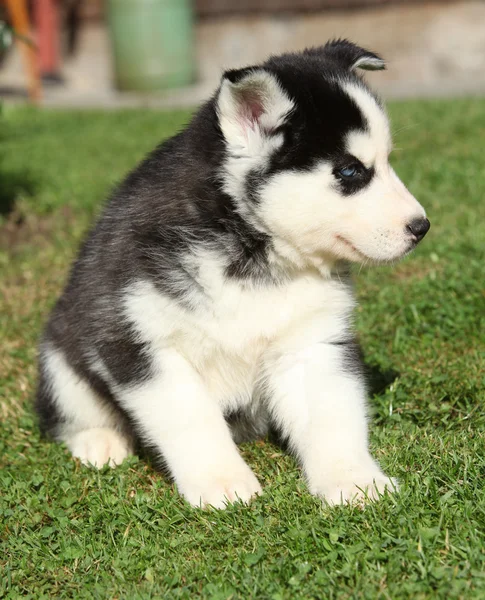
(378,380)
(12,185)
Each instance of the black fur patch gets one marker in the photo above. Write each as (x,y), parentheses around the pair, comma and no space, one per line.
(346,54)
(128,362)
(49,416)
(352,356)
(249,424)
(349,186)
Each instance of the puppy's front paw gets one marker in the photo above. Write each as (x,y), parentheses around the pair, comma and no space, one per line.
(219,490)
(355,488)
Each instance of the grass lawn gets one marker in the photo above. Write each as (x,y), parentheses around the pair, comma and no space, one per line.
(69,531)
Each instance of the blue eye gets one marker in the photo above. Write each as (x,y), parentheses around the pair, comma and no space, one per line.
(349,171)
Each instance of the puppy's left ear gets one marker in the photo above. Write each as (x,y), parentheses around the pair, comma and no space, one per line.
(349,56)
(251,105)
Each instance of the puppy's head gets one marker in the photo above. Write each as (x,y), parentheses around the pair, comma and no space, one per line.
(307,147)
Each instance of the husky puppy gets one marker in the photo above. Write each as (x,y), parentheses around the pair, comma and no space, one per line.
(210,301)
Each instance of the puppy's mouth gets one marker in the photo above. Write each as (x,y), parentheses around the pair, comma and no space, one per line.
(355,251)
(359,256)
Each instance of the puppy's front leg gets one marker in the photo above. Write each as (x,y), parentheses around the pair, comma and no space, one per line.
(318,400)
(179,419)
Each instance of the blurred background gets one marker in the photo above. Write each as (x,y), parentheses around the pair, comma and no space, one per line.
(114,53)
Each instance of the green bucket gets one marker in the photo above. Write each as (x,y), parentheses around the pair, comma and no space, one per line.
(152,43)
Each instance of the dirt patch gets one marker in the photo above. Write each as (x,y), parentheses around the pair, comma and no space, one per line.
(21,229)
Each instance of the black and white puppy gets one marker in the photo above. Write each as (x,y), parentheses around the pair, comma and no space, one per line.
(209,302)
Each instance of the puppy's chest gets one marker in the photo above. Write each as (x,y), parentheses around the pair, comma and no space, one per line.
(232,345)
(242,318)
(239,330)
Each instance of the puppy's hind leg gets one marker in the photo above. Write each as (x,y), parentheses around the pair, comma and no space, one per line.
(100,446)
(71,411)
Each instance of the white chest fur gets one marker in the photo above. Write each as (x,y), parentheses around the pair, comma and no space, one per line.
(228,338)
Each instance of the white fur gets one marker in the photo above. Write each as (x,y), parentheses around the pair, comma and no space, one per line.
(322,411)
(227,343)
(76,400)
(183,421)
(370,63)
(91,430)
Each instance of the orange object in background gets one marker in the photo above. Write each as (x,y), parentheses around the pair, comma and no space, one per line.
(46,18)
(21,24)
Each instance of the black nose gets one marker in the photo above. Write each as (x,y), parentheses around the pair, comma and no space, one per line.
(419,228)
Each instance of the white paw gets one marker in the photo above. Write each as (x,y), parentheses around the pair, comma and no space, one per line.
(99,446)
(219,490)
(357,488)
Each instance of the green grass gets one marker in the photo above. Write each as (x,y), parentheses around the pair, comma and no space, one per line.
(69,531)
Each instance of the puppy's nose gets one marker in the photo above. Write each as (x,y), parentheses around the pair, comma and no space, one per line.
(419,228)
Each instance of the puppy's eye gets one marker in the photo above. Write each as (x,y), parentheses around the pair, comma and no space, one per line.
(350,171)
(352,176)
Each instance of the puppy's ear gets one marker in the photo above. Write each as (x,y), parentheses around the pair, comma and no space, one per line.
(349,56)
(251,104)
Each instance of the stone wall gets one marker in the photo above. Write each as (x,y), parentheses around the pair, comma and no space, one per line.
(431,48)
